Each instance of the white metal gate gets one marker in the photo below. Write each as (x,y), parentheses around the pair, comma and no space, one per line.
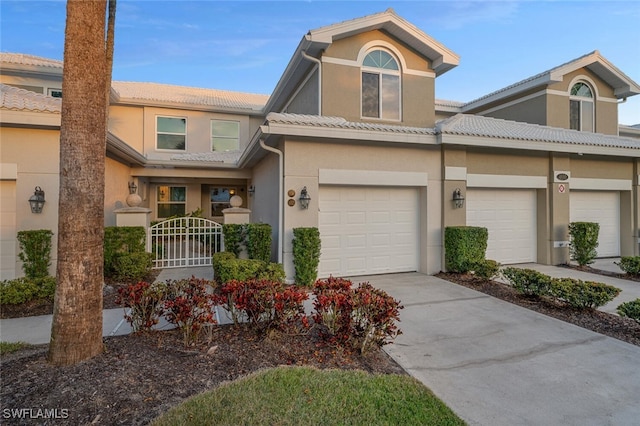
(184,241)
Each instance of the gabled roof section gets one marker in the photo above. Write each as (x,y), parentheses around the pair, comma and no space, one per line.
(623,85)
(15,99)
(525,134)
(188,97)
(442,58)
(316,41)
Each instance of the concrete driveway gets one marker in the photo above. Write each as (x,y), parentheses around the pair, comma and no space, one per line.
(495,363)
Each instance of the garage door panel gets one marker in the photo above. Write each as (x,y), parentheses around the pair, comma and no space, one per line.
(602,207)
(510,218)
(378,228)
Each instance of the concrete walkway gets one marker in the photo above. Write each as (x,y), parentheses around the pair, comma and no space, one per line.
(495,363)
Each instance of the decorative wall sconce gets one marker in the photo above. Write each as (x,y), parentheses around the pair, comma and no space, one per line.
(37,200)
(252,191)
(458,198)
(133,188)
(304,198)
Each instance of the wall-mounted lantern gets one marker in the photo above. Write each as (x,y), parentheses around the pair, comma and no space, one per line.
(133,188)
(37,200)
(252,191)
(458,199)
(304,198)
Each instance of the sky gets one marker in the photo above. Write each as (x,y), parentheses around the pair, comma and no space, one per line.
(246,45)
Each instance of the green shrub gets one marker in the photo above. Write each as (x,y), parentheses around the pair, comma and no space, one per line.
(21,290)
(464,246)
(630,309)
(584,241)
(630,265)
(233,237)
(582,294)
(123,241)
(258,241)
(528,281)
(272,272)
(132,266)
(306,255)
(486,269)
(35,252)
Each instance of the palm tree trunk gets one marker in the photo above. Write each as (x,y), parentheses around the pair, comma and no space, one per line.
(76,332)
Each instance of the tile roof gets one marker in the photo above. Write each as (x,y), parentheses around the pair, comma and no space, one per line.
(15,99)
(189,95)
(341,123)
(474,125)
(29,60)
(215,156)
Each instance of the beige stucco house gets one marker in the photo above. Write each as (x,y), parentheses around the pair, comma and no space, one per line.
(354,121)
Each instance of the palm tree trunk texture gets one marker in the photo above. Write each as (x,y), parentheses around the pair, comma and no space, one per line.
(76,332)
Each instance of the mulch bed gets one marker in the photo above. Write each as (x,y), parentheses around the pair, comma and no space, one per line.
(611,325)
(138,377)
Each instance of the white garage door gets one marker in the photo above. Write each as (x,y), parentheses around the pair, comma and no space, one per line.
(602,207)
(368,230)
(7,230)
(510,217)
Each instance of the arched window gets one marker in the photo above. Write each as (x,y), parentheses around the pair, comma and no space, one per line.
(380,86)
(581,107)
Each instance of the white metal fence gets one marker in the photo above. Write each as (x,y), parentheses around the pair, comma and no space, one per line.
(184,241)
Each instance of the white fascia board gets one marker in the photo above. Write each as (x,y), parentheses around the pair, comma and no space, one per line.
(455,173)
(30,118)
(506,181)
(371,178)
(350,134)
(527,145)
(188,107)
(601,184)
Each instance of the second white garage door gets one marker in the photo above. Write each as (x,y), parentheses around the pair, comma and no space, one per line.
(602,207)
(510,217)
(368,230)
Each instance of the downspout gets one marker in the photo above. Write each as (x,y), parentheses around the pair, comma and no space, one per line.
(319,63)
(280,199)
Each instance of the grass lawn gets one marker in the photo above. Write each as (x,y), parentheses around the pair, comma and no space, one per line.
(303,395)
(7,347)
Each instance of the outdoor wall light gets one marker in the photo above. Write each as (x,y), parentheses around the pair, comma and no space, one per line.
(304,198)
(37,200)
(458,198)
(252,191)
(133,188)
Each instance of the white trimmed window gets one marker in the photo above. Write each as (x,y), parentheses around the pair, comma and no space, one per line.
(581,108)
(171,133)
(225,135)
(380,86)
(172,201)
(56,93)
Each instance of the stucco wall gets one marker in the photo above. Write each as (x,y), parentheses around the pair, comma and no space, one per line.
(264,203)
(127,123)
(116,189)
(341,82)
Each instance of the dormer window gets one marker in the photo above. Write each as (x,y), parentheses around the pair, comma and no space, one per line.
(581,108)
(380,86)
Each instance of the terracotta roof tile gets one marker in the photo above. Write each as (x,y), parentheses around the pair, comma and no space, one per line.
(341,123)
(15,99)
(29,60)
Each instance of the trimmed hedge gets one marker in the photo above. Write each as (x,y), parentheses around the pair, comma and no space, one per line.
(21,290)
(464,246)
(233,237)
(528,281)
(630,265)
(584,241)
(486,269)
(125,255)
(35,252)
(258,241)
(630,309)
(583,294)
(306,255)
(227,267)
